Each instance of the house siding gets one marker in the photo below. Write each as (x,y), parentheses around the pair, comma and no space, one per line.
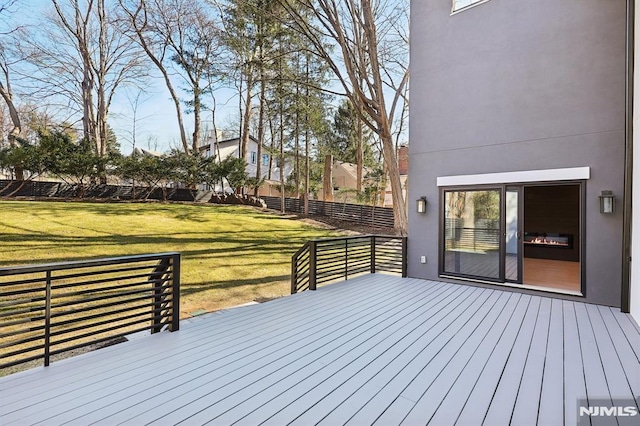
(515,86)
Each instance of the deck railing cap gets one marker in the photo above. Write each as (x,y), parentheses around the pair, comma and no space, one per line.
(41,267)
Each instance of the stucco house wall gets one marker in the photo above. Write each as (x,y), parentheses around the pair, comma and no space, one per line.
(512,86)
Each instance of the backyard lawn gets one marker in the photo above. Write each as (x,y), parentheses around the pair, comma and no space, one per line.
(230,254)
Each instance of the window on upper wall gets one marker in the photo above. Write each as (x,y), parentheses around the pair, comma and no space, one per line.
(463,4)
(253,157)
(265,159)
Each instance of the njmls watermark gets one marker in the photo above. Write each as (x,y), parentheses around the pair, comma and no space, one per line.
(607,408)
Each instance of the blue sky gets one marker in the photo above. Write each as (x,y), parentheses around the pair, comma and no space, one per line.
(156,117)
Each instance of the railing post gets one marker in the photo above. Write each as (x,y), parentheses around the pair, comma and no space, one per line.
(404,257)
(156,280)
(47,320)
(373,254)
(175,293)
(294,274)
(346,259)
(312,264)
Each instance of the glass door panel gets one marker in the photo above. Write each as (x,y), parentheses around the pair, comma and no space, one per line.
(472,233)
(513,259)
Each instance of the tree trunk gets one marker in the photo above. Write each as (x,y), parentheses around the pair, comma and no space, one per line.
(359,155)
(260,128)
(246,121)
(196,120)
(327,186)
(7,95)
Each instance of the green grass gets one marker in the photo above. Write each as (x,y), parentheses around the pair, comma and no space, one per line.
(230,254)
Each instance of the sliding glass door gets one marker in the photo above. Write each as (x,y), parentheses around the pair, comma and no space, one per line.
(472,229)
(526,234)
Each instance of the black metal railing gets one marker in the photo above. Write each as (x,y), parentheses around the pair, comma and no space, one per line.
(333,259)
(49,309)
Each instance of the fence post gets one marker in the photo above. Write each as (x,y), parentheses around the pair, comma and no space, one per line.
(404,257)
(373,254)
(175,293)
(47,320)
(312,264)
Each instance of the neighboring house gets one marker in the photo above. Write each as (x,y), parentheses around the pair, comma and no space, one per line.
(345,179)
(345,182)
(517,127)
(231,147)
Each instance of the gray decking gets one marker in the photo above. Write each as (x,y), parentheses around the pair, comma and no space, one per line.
(376,349)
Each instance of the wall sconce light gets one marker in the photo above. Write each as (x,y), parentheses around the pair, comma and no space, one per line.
(607,202)
(422,205)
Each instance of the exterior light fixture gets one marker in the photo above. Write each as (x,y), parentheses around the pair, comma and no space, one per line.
(607,202)
(422,205)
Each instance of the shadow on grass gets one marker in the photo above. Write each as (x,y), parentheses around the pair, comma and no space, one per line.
(194,288)
(185,212)
(249,244)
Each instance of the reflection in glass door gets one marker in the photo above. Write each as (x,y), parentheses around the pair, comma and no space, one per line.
(513,246)
(472,233)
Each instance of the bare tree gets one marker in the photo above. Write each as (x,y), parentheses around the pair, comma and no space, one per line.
(84,57)
(6,91)
(181,38)
(372,64)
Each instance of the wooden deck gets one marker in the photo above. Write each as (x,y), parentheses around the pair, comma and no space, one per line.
(373,350)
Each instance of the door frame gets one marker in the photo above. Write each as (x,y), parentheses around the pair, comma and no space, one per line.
(502,246)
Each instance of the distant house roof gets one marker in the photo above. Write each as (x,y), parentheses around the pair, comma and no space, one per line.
(147,152)
(231,141)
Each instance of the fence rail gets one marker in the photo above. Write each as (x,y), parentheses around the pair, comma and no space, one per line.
(49,309)
(379,217)
(68,190)
(334,259)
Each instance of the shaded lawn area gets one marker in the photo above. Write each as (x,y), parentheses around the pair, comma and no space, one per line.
(230,254)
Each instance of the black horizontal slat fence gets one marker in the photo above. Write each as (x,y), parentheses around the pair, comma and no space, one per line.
(379,217)
(53,308)
(43,189)
(334,259)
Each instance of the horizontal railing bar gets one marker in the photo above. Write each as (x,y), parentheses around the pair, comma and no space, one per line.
(23,291)
(22,301)
(101,314)
(99,323)
(108,280)
(21,311)
(20,361)
(21,351)
(21,341)
(21,321)
(115,327)
(12,270)
(301,250)
(21,331)
(24,282)
(104,297)
(137,267)
(103,305)
(106,289)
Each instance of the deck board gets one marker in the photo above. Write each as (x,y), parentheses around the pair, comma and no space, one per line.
(376,349)
(551,407)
